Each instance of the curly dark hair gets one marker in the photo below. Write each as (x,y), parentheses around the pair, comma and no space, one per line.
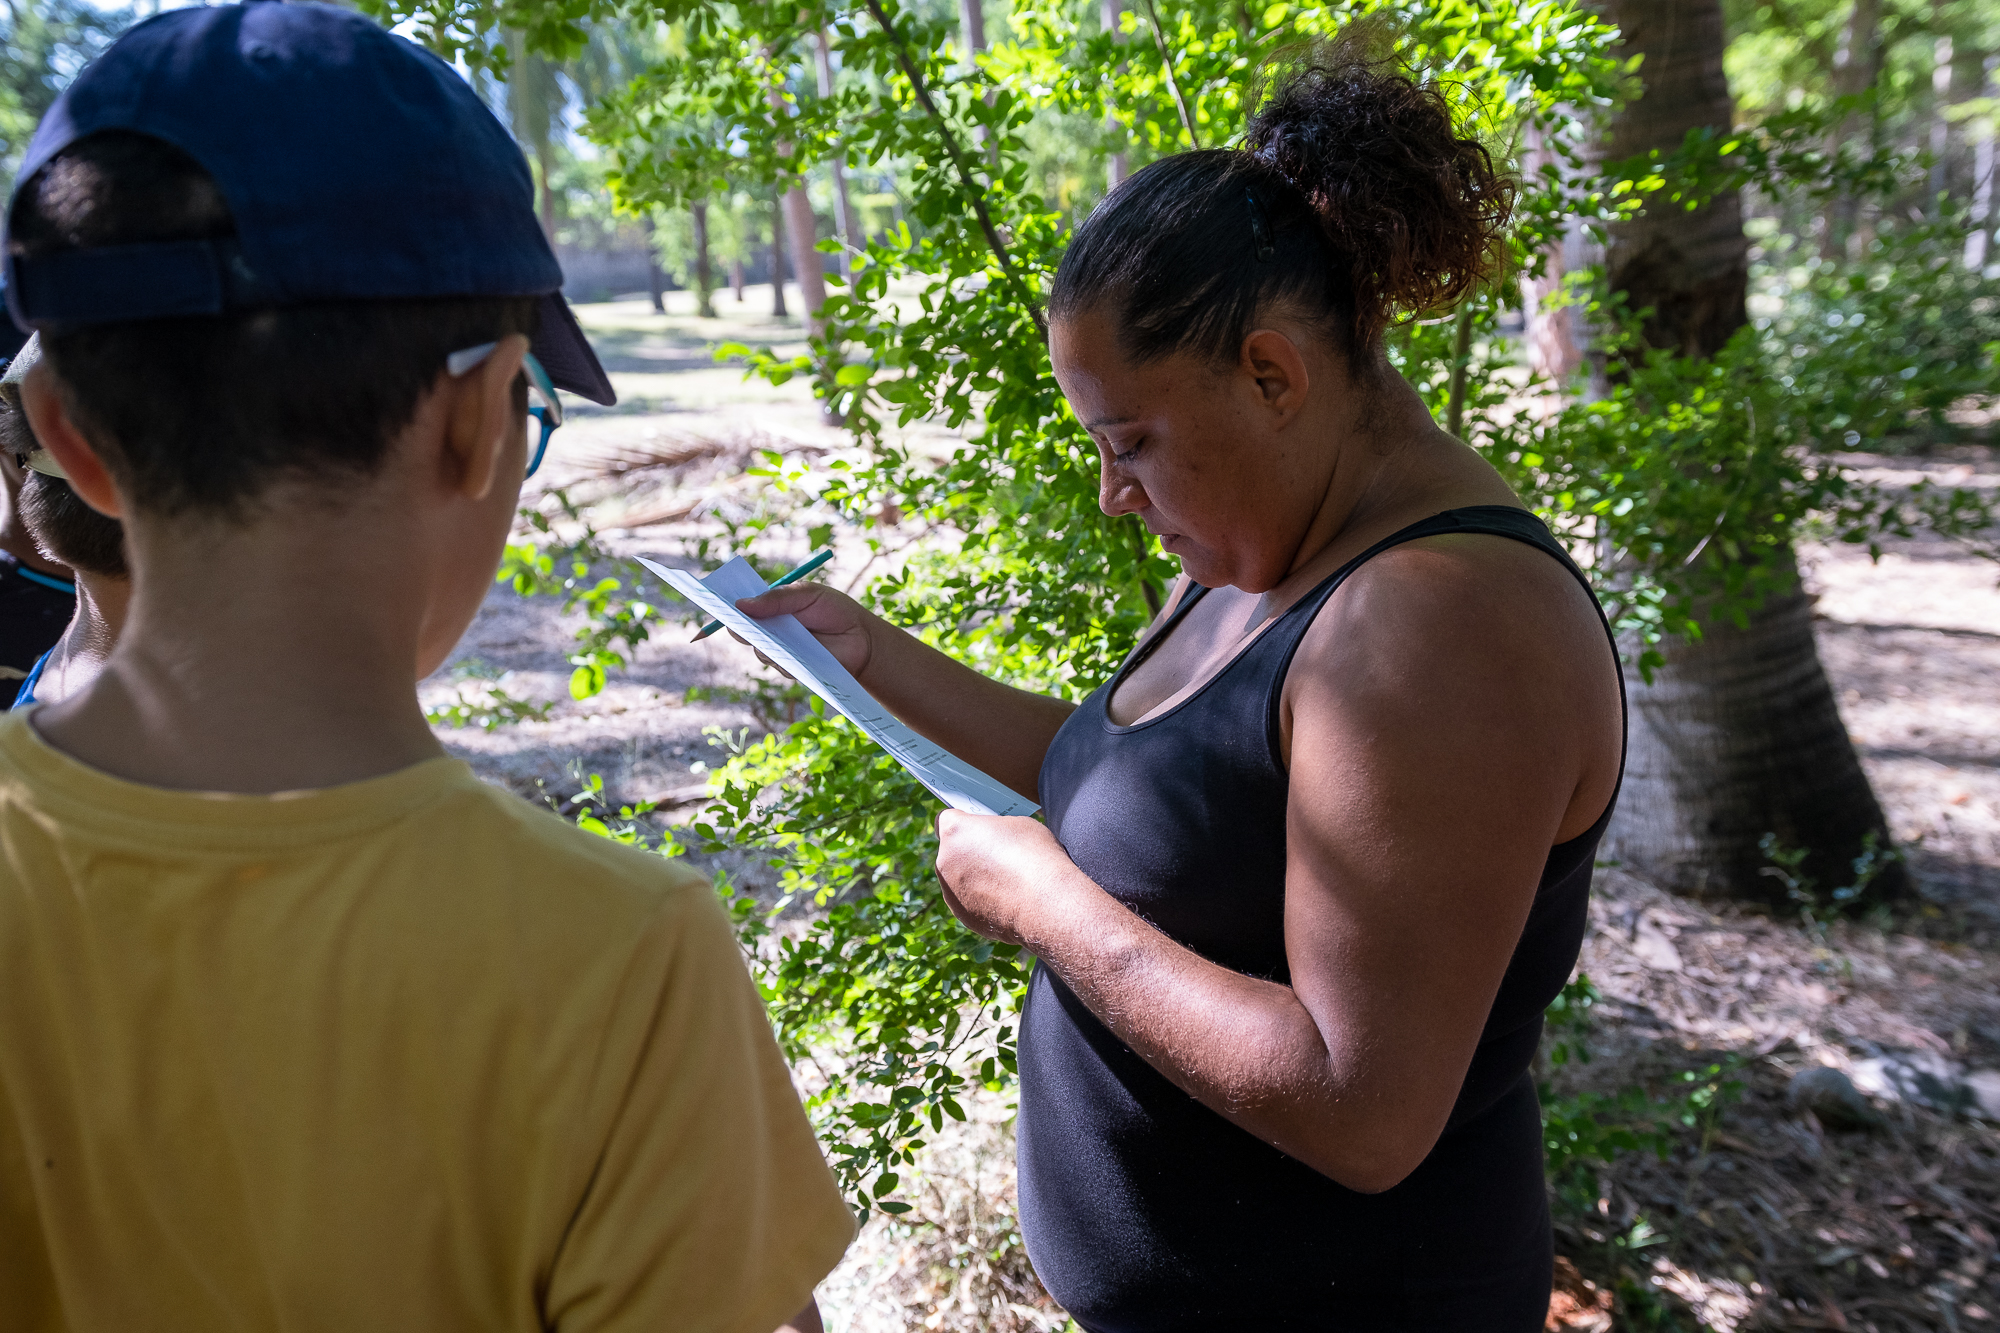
(1357,199)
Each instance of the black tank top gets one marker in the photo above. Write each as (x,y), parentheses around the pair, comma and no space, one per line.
(1143,1210)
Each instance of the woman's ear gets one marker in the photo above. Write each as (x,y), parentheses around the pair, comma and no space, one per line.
(46,405)
(1274,361)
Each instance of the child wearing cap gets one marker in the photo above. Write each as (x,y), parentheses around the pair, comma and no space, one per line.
(301,1025)
(90,545)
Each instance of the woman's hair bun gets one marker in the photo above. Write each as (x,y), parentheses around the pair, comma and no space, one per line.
(1402,189)
(1357,199)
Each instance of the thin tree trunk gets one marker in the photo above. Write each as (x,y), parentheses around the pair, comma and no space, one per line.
(778,260)
(704,273)
(1119,167)
(803,230)
(1982,181)
(656,281)
(1738,734)
(1555,333)
(853,238)
(1940,180)
(972,31)
(544,167)
(1857,63)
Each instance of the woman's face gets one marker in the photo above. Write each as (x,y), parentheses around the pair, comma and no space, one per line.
(1216,460)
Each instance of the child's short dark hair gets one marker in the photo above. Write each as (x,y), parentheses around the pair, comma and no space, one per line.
(202,414)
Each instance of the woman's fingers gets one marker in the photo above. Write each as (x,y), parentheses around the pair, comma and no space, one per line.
(819,608)
(834,618)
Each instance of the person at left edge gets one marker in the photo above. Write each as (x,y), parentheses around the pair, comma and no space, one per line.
(89,544)
(37,594)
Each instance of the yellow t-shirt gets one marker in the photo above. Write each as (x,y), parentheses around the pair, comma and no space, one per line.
(402,1055)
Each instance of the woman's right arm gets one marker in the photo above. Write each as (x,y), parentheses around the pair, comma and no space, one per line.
(1002,731)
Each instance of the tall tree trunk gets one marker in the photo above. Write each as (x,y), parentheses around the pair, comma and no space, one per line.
(1738,735)
(778,259)
(1857,63)
(1693,269)
(704,273)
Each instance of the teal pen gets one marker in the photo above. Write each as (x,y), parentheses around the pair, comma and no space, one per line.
(812,563)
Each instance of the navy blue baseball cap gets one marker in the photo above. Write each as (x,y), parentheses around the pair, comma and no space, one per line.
(357,166)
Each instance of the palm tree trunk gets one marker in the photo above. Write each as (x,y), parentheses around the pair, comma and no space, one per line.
(1738,734)
(1693,269)
(1739,737)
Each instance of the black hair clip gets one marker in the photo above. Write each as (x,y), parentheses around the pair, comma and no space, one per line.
(1260,229)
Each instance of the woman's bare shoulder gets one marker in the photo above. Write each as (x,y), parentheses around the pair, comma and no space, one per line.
(1448,636)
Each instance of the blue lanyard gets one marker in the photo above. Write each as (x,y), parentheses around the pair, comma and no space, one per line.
(46,580)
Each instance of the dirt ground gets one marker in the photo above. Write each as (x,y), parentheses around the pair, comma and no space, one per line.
(1762,1217)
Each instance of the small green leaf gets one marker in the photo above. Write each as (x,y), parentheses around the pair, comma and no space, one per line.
(586,681)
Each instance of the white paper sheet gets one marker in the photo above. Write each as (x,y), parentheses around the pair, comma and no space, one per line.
(791,645)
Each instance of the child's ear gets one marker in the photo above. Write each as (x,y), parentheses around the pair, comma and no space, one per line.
(482,421)
(47,409)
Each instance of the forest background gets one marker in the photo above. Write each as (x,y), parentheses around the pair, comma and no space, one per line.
(1752,239)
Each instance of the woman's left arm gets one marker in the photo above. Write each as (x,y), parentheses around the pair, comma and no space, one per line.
(1444,727)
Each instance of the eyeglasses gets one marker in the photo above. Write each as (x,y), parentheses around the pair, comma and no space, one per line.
(544,408)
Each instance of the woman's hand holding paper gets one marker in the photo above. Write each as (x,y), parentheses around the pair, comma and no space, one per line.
(1000,873)
(834,618)
(999,730)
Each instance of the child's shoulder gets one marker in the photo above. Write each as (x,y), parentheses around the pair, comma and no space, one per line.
(431,845)
(494,835)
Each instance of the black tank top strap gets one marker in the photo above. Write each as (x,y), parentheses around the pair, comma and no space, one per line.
(1478,520)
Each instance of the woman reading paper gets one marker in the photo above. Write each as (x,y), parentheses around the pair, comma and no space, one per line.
(1317,857)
